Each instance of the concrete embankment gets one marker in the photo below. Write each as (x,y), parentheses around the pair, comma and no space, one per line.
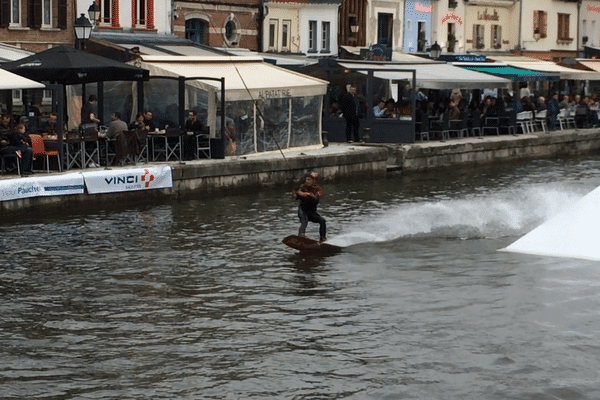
(435,154)
(337,161)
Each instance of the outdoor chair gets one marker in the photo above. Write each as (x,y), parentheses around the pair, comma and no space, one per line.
(173,142)
(564,119)
(491,124)
(126,147)
(3,157)
(461,126)
(476,123)
(442,127)
(580,117)
(508,122)
(91,148)
(423,127)
(39,150)
(203,146)
(540,120)
(74,150)
(143,153)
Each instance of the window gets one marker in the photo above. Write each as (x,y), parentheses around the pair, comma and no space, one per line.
(15,13)
(496,36)
(384,29)
(46,97)
(312,36)
(105,11)
(195,30)
(47,13)
(273,34)
(325,32)
(563,27)
(17,97)
(285,35)
(593,34)
(140,13)
(478,37)
(231,31)
(540,23)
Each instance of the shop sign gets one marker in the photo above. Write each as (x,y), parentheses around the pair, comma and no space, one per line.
(422,8)
(274,94)
(452,17)
(488,17)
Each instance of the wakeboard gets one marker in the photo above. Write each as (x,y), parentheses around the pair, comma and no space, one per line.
(306,245)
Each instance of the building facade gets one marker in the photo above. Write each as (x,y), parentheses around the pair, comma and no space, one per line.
(36,25)
(223,23)
(417,25)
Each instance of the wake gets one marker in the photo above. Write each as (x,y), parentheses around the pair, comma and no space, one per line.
(492,215)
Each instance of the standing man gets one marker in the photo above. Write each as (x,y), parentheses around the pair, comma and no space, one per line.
(193,127)
(309,195)
(90,111)
(350,109)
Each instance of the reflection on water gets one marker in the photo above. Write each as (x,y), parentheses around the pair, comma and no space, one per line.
(199,299)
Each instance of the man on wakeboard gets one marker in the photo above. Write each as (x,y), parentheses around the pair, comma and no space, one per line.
(309,195)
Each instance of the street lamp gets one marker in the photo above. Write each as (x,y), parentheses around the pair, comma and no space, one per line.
(83,30)
(94,12)
(354,25)
(435,51)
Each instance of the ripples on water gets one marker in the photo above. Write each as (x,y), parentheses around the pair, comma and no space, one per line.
(198,298)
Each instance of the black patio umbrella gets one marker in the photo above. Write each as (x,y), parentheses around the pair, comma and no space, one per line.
(67,66)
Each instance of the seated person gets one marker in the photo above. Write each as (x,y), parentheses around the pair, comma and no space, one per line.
(149,123)
(116,126)
(138,123)
(12,142)
(5,124)
(380,110)
(49,128)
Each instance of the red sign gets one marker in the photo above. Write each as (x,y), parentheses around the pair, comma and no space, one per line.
(453,17)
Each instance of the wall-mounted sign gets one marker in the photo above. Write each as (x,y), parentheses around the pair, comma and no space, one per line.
(422,8)
(592,8)
(452,17)
(462,58)
(488,17)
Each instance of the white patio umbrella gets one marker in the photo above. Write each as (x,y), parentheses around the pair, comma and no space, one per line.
(9,81)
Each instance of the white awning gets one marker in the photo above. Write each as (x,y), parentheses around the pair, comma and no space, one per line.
(433,75)
(246,78)
(549,67)
(9,81)
(12,53)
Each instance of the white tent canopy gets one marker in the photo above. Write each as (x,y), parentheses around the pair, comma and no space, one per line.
(9,81)
(534,64)
(433,75)
(246,78)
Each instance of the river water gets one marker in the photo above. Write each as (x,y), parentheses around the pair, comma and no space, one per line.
(198,299)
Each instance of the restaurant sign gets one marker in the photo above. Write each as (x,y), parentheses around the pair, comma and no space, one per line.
(125,180)
(41,185)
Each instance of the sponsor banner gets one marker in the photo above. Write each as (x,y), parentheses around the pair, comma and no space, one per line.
(41,185)
(125,180)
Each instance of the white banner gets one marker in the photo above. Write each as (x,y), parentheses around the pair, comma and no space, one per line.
(124,180)
(41,185)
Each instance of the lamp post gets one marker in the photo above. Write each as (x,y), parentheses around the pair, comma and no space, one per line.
(83,30)
(94,12)
(354,25)
(435,51)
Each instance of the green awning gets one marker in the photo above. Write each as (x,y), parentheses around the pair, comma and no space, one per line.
(516,74)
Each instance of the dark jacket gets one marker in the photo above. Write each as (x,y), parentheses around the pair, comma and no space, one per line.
(309,204)
(349,106)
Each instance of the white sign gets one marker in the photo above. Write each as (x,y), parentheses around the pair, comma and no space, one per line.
(41,185)
(124,180)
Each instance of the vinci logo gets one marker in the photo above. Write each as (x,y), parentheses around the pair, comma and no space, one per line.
(147,177)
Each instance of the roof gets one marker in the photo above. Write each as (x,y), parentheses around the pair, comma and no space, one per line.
(534,64)
(12,53)
(515,74)
(246,78)
(431,75)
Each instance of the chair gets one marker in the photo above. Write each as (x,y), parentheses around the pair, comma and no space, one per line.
(143,153)
(203,145)
(491,123)
(508,121)
(443,127)
(37,145)
(521,120)
(74,150)
(564,119)
(423,127)
(173,142)
(10,155)
(476,123)
(462,127)
(580,117)
(91,147)
(540,120)
(126,147)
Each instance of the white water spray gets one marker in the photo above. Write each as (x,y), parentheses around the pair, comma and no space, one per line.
(505,213)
